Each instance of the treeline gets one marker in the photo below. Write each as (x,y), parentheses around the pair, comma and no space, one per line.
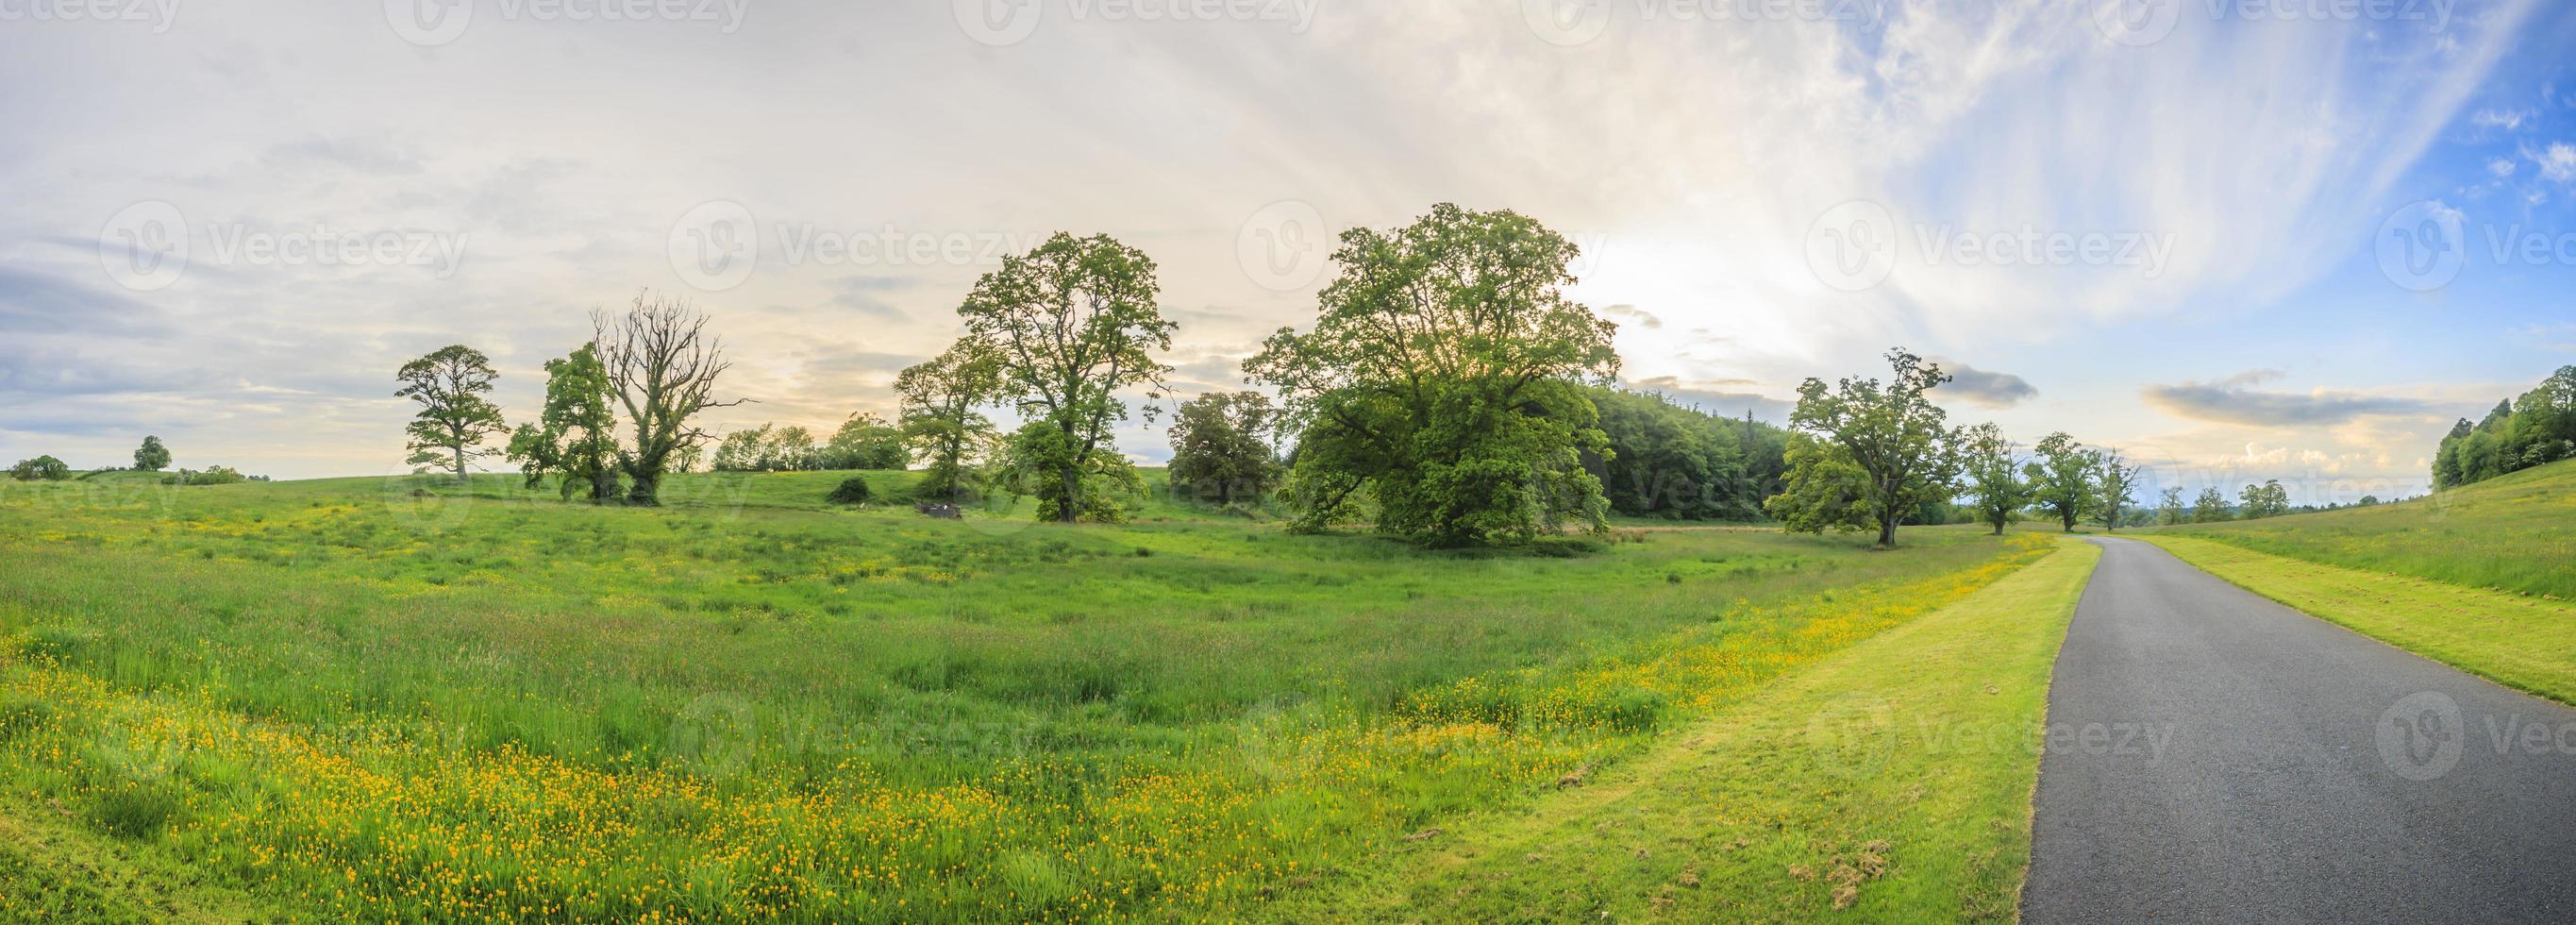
(1680,463)
(865,441)
(152,456)
(1864,454)
(2535,429)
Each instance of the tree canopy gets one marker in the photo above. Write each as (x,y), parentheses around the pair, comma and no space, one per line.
(2534,429)
(1443,380)
(454,418)
(938,416)
(575,436)
(1996,488)
(1221,448)
(1873,455)
(1070,325)
(1679,463)
(151,456)
(2063,479)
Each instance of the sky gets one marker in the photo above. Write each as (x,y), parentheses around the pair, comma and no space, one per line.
(2237,239)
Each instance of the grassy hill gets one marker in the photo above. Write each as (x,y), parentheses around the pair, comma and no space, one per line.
(2514,533)
(395,698)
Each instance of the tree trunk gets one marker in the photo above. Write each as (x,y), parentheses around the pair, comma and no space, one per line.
(1887,531)
(459,450)
(1072,495)
(647,490)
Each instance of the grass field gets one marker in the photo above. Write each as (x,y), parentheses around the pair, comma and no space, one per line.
(1892,782)
(376,698)
(2515,533)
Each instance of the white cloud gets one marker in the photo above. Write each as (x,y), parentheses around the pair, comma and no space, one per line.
(2507,119)
(2500,167)
(2557,162)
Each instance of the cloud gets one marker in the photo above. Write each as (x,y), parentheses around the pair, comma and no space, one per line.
(2506,119)
(1707,398)
(1984,389)
(2557,162)
(1629,313)
(2234,400)
(2501,167)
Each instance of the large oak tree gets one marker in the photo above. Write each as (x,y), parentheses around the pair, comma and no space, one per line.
(575,437)
(1873,452)
(1996,489)
(1444,379)
(454,418)
(939,398)
(1070,325)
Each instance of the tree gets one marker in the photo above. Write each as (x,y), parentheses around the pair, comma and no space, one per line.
(575,437)
(454,417)
(1892,435)
(152,456)
(41,468)
(1994,474)
(1071,324)
(741,450)
(2117,486)
(1218,445)
(939,398)
(2210,507)
(1444,380)
(2063,477)
(2169,509)
(790,448)
(664,366)
(2266,500)
(865,441)
(1824,489)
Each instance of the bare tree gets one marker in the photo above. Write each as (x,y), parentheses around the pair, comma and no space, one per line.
(664,365)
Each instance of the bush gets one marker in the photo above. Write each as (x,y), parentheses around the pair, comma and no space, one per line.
(44,468)
(853,490)
(214,475)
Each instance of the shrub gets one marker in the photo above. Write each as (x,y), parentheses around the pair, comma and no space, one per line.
(214,475)
(45,468)
(853,490)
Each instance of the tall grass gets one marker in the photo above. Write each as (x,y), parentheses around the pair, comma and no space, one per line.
(376,698)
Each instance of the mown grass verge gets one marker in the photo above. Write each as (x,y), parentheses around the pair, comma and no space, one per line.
(2521,642)
(2509,533)
(1890,781)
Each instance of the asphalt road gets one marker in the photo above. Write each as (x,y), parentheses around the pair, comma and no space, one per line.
(2216,757)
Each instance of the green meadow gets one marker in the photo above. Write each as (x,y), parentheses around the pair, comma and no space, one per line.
(2511,533)
(399,699)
